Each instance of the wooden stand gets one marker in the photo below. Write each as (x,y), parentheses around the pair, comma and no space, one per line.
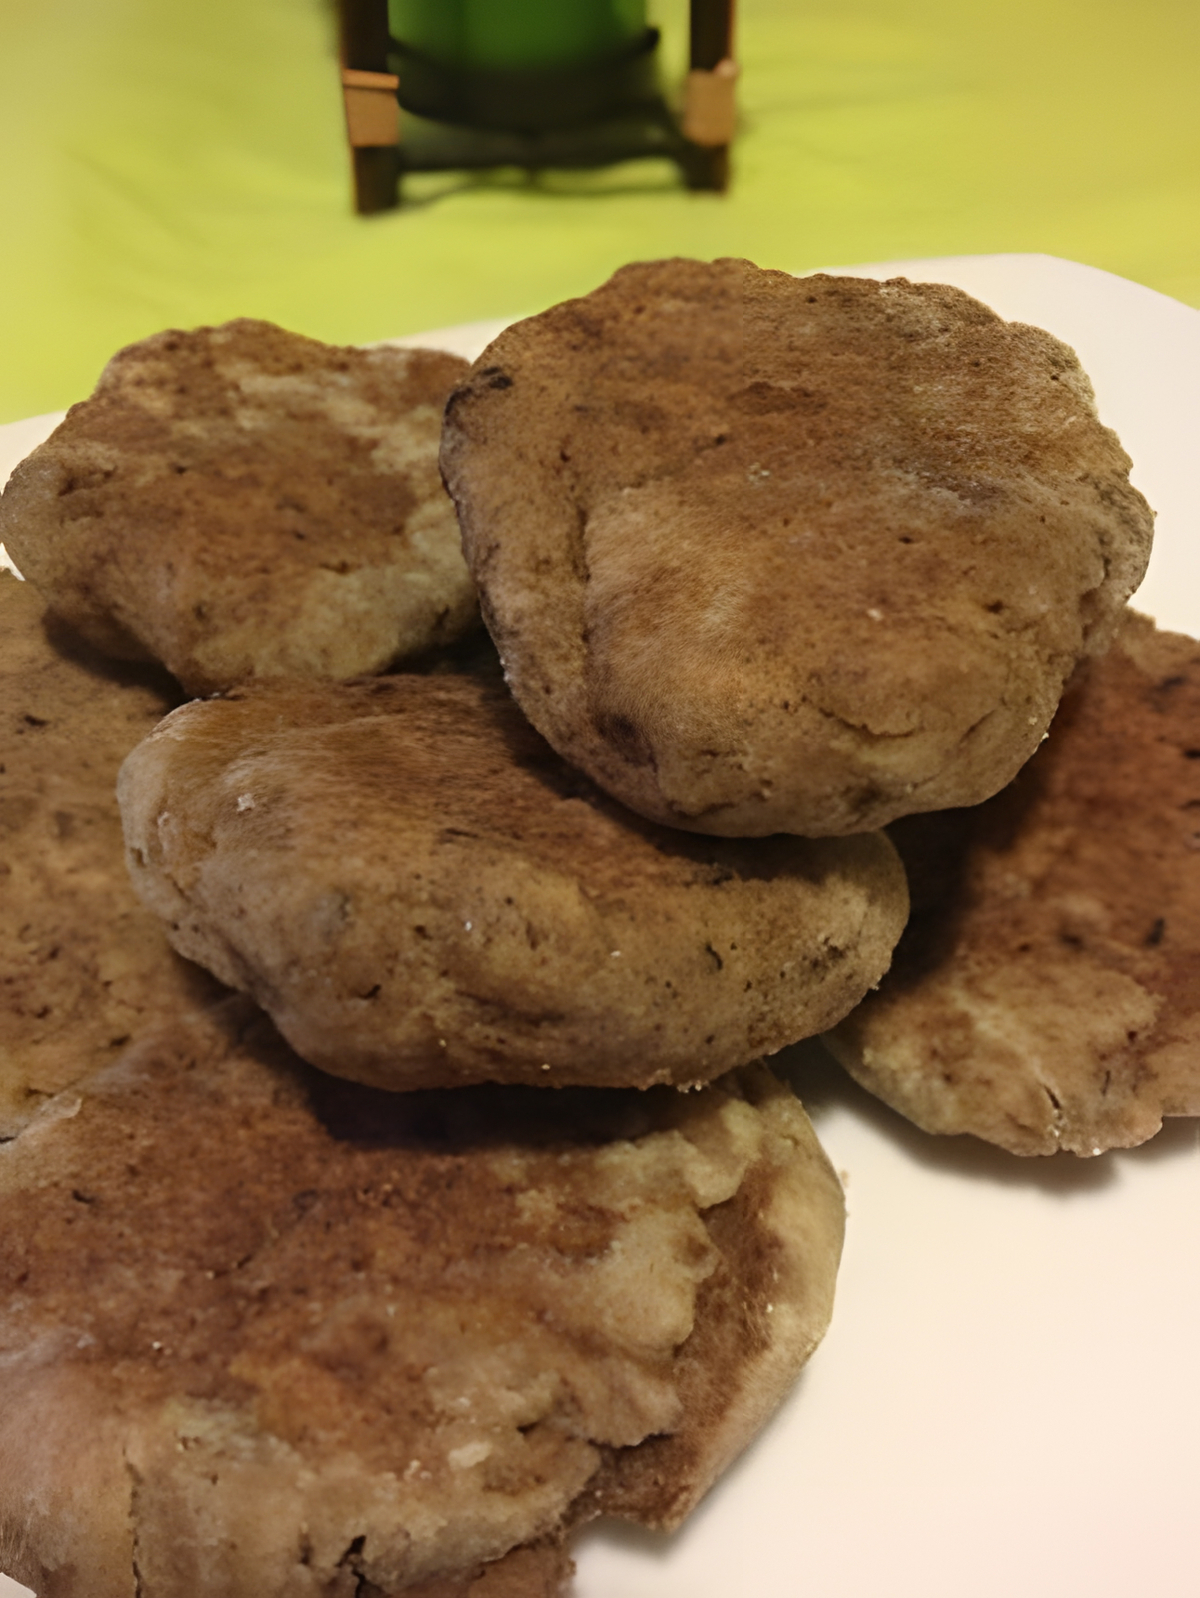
(710,106)
(372,110)
(637,123)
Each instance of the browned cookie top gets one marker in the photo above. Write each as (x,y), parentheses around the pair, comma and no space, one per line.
(765,553)
(1047,991)
(83,965)
(242,502)
(264,1331)
(422,893)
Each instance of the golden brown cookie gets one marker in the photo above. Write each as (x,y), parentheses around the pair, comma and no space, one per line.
(241,502)
(421,893)
(268,1334)
(1046,994)
(83,966)
(766,553)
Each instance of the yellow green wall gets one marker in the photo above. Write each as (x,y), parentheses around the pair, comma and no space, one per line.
(163,163)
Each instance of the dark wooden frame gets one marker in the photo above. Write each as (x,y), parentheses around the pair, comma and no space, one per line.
(699,142)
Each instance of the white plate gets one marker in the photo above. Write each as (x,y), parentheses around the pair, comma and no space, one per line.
(1008,1402)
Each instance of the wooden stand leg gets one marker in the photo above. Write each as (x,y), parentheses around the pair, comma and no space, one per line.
(709,108)
(376,179)
(706,168)
(372,114)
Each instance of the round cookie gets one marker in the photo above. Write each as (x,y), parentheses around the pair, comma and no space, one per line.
(421,893)
(1046,994)
(84,966)
(765,553)
(241,502)
(265,1332)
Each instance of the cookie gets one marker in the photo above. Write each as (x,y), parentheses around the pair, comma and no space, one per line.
(265,1332)
(764,553)
(422,894)
(83,966)
(240,502)
(1046,994)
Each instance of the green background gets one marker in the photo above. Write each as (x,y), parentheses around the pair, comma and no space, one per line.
(172,164)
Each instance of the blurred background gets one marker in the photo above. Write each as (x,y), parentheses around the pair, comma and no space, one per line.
(177,164)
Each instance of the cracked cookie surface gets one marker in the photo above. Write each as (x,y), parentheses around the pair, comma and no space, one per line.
(1046,993)
(421,893)
(269,1334)
(763,553)
(241,502)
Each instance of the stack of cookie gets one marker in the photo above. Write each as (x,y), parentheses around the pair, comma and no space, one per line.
(845,587)
(391,1295)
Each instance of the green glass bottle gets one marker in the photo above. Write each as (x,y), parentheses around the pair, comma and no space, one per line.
(529,67)
(517,34)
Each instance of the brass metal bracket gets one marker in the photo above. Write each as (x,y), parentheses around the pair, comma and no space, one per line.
(372,110)
(710,105)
